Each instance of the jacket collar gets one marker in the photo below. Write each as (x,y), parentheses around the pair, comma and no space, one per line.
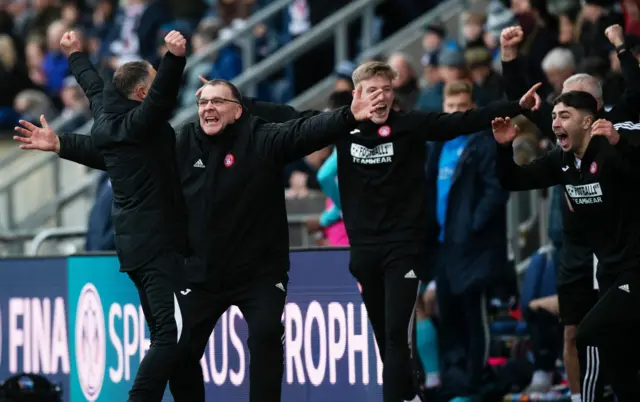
(115,102)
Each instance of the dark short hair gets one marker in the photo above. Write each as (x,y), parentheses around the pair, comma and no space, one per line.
(338,99)
(579,100)
(235,92)
(129,75)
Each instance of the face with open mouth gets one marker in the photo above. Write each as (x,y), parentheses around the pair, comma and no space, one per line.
(570,127)
(217,108)
(381,113)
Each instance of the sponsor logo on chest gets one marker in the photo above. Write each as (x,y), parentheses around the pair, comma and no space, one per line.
(585,194)
(382,153)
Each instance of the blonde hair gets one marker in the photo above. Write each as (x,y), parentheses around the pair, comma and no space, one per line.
(7,52)
(459,87)
(372,69)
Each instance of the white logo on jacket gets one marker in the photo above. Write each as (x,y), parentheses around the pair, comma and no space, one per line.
(585,194)
(372,156)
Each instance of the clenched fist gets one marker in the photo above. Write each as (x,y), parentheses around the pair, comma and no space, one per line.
(70,43)
(176,43)
(511,37)
(615,34)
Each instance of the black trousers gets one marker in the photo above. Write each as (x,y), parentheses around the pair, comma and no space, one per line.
(165,300)
(262,304)
(388,275)
(613,326)
(463,339)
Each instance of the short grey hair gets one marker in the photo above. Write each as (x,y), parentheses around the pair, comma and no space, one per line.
(559,58)
(586,83)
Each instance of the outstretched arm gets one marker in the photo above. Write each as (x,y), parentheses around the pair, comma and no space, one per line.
(446,126)
(273,112)
(83,71)
(289,141)
(74,147)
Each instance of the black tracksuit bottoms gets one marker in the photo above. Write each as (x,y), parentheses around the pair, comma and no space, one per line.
(261,302)
(613,326)
(388,276)
(164,297)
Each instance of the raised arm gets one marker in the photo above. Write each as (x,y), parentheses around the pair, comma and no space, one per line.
(74,147)
(628,107)
(159,103)
(83,71)
(285,142)
(515,79)
(273,112)
(539,174)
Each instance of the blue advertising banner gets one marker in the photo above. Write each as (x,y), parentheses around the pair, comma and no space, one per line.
(330,352)
(33,319)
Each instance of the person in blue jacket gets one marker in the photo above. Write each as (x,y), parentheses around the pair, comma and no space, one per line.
(468,214)
(100,234)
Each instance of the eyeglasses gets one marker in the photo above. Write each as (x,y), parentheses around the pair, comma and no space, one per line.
(215,101)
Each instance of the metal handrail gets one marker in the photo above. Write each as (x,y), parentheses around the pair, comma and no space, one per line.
(61,233)
(330,26)
(246,29)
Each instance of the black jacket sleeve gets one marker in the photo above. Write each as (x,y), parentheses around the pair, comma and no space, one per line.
(88,79)
(285,142)
(539,174)
(516,85)
(79,148)
(628,107)
(159,103)
(275,113)
(445,126)
(627,158)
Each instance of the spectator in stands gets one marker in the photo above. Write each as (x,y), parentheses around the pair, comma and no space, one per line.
(567,32)
(558,65)
(487,81)
(31,103)
(134,33)
(76,107)
(100,232)
(434,37)
(206,32)
(473,29)
(55,66)
(468,208)
(451,67)
(430,71)
(34,18)
(427,336)
(405,85)
(13,79)
(499,16)
(343,76)
(34,52)
(230,10)
(597,15)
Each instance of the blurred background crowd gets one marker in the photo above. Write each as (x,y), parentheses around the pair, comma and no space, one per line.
(561,38)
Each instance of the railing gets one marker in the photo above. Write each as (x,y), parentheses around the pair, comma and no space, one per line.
(334,26)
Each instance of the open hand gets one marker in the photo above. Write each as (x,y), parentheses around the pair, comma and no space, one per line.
(34,137)
(605,128)
(531,100)
(70,43)
(363,106)
(176,43)
(504,131)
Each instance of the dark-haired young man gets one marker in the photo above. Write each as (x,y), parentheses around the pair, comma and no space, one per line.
(598,178)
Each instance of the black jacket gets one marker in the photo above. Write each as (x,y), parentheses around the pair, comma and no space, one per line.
(137,144)
(381,170)
(601,193)
(232,184)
